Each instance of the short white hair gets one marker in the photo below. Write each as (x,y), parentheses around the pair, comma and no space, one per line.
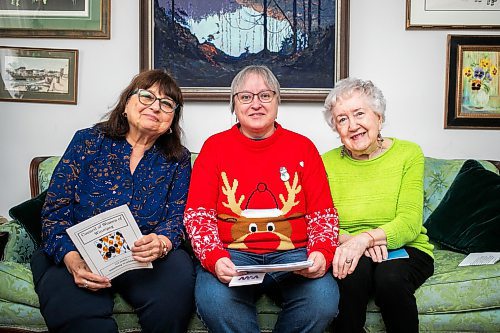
(346,88)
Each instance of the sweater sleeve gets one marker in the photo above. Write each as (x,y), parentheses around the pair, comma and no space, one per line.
(322,217)
(407,224)
(200,217)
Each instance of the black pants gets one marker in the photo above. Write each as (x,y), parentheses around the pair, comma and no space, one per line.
(392,283)
(163,297)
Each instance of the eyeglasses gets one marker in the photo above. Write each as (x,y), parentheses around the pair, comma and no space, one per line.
(264,96)
(147,98)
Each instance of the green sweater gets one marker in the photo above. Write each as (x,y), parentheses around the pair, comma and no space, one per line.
(385,192)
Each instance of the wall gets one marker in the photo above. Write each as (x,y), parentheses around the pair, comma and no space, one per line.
(409,66)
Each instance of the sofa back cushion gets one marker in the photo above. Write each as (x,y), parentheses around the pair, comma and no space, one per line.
(28,215)
(468,218)
(439,174)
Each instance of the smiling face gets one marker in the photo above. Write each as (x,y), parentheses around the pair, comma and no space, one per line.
(256,118)
(357,124)
(147,120)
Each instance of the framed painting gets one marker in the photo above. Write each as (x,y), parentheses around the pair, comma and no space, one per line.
(204,44)
(452,14)
(473,82)
(38,75)
(55,18)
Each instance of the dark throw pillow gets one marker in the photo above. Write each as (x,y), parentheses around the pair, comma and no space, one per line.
(468,218)
(28,215)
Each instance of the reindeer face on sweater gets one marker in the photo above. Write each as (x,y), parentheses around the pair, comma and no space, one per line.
(268,228)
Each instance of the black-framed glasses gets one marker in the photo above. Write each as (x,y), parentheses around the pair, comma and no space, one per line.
(147,98)
(247,97)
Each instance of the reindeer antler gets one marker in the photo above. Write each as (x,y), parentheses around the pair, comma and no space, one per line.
(230,192)
(292,191)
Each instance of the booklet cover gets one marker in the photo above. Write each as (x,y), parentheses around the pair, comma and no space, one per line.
(105,241)
(397,254)
(293,266)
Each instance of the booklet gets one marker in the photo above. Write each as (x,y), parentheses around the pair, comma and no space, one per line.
(480,258)
(293,266)
(397,254)
(105,241)
(255,273)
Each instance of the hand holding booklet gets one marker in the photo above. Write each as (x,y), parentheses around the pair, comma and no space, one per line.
(105,241)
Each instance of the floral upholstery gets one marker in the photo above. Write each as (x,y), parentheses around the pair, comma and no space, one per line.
(454,299)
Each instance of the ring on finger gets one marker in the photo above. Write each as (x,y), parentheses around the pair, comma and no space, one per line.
(85,284)
(348,261)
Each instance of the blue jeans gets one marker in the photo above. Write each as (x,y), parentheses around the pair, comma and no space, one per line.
(308,305)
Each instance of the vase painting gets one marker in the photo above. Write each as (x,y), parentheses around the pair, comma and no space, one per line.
(480,80)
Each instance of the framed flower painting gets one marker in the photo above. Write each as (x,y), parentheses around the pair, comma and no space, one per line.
(473,82)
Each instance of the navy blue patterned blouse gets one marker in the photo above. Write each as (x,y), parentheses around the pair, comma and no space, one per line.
(94,175)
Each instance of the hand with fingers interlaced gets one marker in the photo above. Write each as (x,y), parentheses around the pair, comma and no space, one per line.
(82,274)
(151,247)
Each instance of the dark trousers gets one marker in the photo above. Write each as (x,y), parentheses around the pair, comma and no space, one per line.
(392,283)
(163,297)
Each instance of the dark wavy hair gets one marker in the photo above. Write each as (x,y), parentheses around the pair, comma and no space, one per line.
(116,125)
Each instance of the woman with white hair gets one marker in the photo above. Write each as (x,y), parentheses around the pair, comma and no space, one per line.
(377,186)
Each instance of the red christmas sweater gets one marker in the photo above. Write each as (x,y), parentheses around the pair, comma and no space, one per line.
(259,196)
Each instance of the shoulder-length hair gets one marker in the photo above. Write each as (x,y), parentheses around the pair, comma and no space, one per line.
(116,124)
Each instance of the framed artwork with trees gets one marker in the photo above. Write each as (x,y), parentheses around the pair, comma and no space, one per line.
(203,44)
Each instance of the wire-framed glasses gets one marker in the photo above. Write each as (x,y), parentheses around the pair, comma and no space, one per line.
(147,98)
(247,97)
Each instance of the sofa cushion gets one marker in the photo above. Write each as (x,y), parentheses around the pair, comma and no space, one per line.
(28,215)
(19,246)
(468,218)
(438,177)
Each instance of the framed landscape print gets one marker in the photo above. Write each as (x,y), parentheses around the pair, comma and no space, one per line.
(452,14)
(204,44)
(38,75)
(55,18)
(473,82)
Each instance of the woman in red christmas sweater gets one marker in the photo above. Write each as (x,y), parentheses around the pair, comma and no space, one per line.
(259,195)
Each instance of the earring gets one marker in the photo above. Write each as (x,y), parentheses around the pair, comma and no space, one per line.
(124,114)
(380,139)
(169,130)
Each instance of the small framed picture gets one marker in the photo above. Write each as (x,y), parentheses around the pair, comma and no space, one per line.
(55,19)
(473,82)
(452,14)
(38,75)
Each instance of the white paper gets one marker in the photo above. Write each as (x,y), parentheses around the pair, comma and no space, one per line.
(244,280)
(105,241)
(293,266)
(480,258)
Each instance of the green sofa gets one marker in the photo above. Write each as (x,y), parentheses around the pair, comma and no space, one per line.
(454,299)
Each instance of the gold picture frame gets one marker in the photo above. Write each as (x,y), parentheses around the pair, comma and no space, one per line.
(473,82)
(439,14)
